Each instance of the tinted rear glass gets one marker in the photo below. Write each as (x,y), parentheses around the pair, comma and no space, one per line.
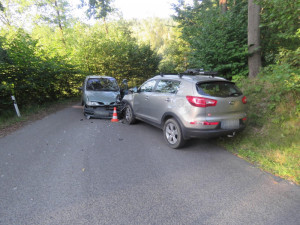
(218,89)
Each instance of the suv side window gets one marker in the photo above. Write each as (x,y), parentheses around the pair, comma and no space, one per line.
(167,86)
(148,86)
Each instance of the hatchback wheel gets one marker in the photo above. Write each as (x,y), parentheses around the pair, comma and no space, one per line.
(129,117)
(83,109)
(173,134)
(84,113)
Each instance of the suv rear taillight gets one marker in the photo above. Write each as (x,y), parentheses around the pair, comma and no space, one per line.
(201,102)
(244,100)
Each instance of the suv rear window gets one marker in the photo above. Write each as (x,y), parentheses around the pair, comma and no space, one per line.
(218,89)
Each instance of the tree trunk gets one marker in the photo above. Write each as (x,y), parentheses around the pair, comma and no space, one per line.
(59,23)
(105,24)
(254,50)
(223,4)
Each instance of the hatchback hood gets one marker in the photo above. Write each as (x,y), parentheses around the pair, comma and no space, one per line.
(105,97)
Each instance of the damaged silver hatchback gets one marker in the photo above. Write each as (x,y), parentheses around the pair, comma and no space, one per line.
(100,94)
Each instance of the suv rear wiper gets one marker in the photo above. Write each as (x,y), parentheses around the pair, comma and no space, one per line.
(235,94)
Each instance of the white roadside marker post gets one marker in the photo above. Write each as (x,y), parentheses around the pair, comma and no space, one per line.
(16,106)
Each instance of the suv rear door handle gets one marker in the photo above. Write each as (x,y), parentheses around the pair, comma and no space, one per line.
(167,100)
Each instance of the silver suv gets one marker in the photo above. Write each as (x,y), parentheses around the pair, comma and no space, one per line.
(187,106)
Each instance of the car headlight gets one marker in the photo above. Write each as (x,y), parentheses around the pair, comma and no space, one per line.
(92,103)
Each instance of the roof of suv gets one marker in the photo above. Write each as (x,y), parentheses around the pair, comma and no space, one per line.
(191,78)
(97,76)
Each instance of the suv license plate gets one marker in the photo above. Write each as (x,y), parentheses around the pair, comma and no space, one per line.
(230,124)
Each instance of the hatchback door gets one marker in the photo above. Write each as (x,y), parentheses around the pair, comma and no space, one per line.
(229,104)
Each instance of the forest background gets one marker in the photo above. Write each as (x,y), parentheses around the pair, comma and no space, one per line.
(46,51)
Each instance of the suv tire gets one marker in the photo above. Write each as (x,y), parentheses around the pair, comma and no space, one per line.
(129,117)
(173,134)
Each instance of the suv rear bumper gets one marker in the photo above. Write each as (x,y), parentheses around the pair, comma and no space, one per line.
(197,133)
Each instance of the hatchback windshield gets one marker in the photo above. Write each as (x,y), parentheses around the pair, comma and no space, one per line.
(102,84)
(218,89)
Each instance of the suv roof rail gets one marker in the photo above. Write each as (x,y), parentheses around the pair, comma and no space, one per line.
(200,72)
(192,72)
(212,73)
(174,74)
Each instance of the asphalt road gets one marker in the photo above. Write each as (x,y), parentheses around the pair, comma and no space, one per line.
(65,169)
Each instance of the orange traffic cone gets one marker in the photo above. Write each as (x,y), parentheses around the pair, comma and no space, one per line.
(115,116)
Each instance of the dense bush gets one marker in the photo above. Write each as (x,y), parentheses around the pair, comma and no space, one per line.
(31,78)
(279,25)
(271,139)
(49,61)
(115,54)
(39,67)
(218,41)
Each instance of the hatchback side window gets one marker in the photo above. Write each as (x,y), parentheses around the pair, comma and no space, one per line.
(148,86)
(167,86)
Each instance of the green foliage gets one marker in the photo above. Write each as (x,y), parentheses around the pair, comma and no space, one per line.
(31,78)
(116,54)
(155,31)
(283,74)
(279,25)
(99,9)
(275,83)
(271,138)
(40,67)
(50,61)
(175,54)
(1,7)
(164,37)
(218,40)
(54,12)
(50,43)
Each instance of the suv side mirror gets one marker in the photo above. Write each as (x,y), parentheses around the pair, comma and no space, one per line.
(133,90)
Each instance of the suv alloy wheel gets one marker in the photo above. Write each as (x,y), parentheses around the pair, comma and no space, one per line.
(173,134)
(129,114)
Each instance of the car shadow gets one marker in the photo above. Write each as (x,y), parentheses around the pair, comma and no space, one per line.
(193,144)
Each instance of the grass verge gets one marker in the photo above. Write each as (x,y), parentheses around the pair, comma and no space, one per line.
(268,152)
(271,140)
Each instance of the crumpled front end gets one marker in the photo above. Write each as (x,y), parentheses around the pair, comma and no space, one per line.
(101,104)
(102,111)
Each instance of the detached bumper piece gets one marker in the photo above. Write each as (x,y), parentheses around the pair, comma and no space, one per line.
(102,112)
